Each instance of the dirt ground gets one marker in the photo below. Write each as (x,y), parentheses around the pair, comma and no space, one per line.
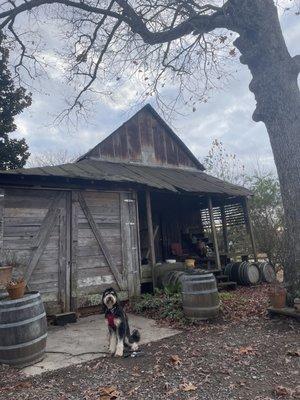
(246,356)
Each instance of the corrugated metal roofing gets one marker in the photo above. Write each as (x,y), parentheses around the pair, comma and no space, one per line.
(155,177)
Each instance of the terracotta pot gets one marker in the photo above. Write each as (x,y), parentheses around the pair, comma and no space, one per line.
(190,263)
(278,297)
(17,291)
(5,274)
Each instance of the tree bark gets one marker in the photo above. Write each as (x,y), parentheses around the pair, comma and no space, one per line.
(276,91)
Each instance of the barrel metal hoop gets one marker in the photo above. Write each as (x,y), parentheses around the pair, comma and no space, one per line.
(202,292)
(20,360)
(21,308)
(28,297)
(25,344)
(203,308)
(26,321)
(193,278)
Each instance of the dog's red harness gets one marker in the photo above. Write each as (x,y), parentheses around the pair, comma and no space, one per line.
(111,320)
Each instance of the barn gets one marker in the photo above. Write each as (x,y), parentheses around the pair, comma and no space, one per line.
(136,199)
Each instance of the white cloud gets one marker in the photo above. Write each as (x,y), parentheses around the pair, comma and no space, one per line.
(227,115)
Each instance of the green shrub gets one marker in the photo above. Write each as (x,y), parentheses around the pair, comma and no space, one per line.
(167,304)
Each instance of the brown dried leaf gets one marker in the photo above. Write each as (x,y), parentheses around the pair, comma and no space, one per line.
(108,393)
(245,350)
(187,387)
(282,391)
(176,360)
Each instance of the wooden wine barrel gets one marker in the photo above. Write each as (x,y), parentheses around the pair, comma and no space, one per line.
(231,270)
(251,274)
(267,272)
(244,273)
(166,269)
(23,330)
(171,278)
(200,296)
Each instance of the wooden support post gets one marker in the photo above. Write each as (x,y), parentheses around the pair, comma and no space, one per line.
(151,237)
(224,228)
(249,228)
(68,249)
(74,250)
(1,222)
(214,233)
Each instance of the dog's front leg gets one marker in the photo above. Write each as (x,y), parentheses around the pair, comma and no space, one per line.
(112,342)
(120,346)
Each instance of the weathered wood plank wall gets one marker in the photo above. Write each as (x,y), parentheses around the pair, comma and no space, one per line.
(143,139)
(72,245)
(32,232)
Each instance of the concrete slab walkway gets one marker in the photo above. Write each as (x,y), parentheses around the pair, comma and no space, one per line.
(87,339)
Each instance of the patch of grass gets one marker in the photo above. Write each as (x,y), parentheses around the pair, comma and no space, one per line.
(226,296)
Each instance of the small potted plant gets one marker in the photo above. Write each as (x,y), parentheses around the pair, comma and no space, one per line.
(277,296)
(16,288)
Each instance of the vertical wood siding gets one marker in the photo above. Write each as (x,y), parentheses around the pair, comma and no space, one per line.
(39,252)
(144,140)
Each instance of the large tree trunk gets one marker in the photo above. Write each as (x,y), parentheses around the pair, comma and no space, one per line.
(276,91)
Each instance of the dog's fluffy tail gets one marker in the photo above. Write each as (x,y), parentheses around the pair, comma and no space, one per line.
(135,337)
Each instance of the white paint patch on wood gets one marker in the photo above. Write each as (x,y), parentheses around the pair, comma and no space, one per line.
(47,297)
(95,281)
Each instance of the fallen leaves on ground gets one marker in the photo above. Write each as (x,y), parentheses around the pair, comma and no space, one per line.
(102,393)
(248,350)
(187,387)
(282,391)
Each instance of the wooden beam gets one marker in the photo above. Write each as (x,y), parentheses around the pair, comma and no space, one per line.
(224,228)
(62,261)
(154,237)
(151,237)
(133,224)
(74,247)
(68,250)
(100,241)
(130,256)
(249,227)
(214,233)
(1,222)
(43,236)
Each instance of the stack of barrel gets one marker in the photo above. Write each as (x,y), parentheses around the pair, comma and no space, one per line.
(246,273)
(200,297)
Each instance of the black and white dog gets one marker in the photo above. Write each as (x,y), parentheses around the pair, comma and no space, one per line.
(118,327)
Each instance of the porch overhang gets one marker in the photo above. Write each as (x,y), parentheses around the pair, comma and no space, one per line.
(105,172)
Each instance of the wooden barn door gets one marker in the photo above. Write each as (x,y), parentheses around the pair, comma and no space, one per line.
(36,234)
(104,246)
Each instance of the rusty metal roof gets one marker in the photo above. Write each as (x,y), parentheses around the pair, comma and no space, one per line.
(172,179)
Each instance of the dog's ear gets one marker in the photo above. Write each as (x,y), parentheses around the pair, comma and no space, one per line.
(103,295)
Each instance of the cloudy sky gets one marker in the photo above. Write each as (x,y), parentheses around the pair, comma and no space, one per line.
(227,116)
